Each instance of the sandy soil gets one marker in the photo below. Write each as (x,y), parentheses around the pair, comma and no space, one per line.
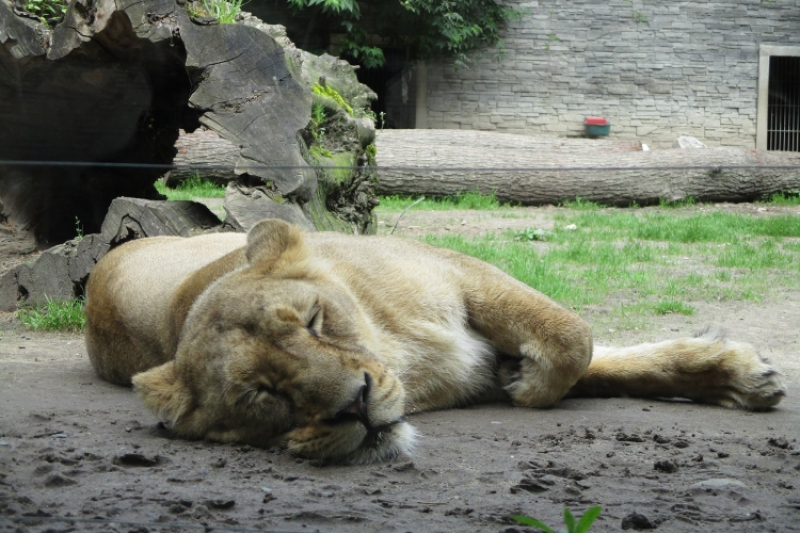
(79,454)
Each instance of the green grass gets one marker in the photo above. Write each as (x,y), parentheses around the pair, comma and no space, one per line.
(195,187)
(467,200)
(661,259)
(789,198)
(54,316)
(224,11)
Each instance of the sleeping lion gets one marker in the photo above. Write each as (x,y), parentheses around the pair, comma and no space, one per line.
(323,343)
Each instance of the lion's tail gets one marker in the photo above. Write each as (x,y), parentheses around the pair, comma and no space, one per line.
(706,368)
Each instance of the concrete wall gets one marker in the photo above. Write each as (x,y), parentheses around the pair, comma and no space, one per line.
(655,69)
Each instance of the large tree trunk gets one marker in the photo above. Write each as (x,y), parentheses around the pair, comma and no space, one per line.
(535,170)
(91,110)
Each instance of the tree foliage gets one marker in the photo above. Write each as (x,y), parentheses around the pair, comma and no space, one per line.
(423,29)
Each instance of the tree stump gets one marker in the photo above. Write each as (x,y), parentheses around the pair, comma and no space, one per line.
(61,272)
(91,110)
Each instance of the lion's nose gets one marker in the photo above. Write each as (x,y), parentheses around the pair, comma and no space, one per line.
(358,409)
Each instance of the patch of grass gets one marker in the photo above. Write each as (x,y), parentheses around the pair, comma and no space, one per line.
(662,260)
(671,227)
(224,11)
(521,261)
(54,316)
(788,198)
(194,187)
(665,307)
(466,200)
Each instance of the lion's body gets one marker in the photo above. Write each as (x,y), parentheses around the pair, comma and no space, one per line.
(323,342)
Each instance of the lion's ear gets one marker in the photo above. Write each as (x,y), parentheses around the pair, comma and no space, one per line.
(164,392)
(272,242)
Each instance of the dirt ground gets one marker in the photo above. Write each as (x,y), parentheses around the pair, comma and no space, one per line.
(79,454)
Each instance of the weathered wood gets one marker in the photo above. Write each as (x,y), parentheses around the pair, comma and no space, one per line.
(116,81)
(536,171)
(203,153)
(246,204)
(134,218)
(61,272)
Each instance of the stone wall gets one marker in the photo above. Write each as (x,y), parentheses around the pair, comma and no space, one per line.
(656,70)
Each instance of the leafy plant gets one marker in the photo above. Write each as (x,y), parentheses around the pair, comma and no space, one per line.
(48,11)
(581,526)
(422,28)
(54,316)
(531,234)
(356,45)
(226,12)
(78,230)
(318,115)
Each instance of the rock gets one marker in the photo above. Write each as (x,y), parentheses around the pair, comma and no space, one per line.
(48,277)
(637,522)
(221,504)
(667,466)
(685,142)
(56,480)
(717,484)
(136,460)
(779,442)
(528,484)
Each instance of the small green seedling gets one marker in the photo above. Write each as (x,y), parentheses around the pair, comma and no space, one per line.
(531,234)
(581,526)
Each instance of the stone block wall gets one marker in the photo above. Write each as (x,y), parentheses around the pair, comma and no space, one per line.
(655,69)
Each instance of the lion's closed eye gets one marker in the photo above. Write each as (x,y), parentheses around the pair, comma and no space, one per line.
(314,323)
(263,388)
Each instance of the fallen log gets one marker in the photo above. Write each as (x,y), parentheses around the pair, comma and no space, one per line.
(538,171)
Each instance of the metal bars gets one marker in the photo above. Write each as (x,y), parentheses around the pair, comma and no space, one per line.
(783,124)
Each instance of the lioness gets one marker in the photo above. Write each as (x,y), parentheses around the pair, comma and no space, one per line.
(322,343)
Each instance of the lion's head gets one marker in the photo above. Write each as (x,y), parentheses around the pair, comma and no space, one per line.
(279,353)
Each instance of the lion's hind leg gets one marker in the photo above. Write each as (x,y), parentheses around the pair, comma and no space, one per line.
(707,368)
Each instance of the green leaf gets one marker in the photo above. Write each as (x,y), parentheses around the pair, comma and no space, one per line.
(569,521)
(588,519)
(528,521)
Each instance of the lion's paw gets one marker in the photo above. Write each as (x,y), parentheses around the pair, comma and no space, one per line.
(748,380)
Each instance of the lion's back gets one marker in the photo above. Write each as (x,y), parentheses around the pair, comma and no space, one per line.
(128,296)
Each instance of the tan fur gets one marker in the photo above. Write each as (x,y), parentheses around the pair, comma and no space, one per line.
(323,343)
